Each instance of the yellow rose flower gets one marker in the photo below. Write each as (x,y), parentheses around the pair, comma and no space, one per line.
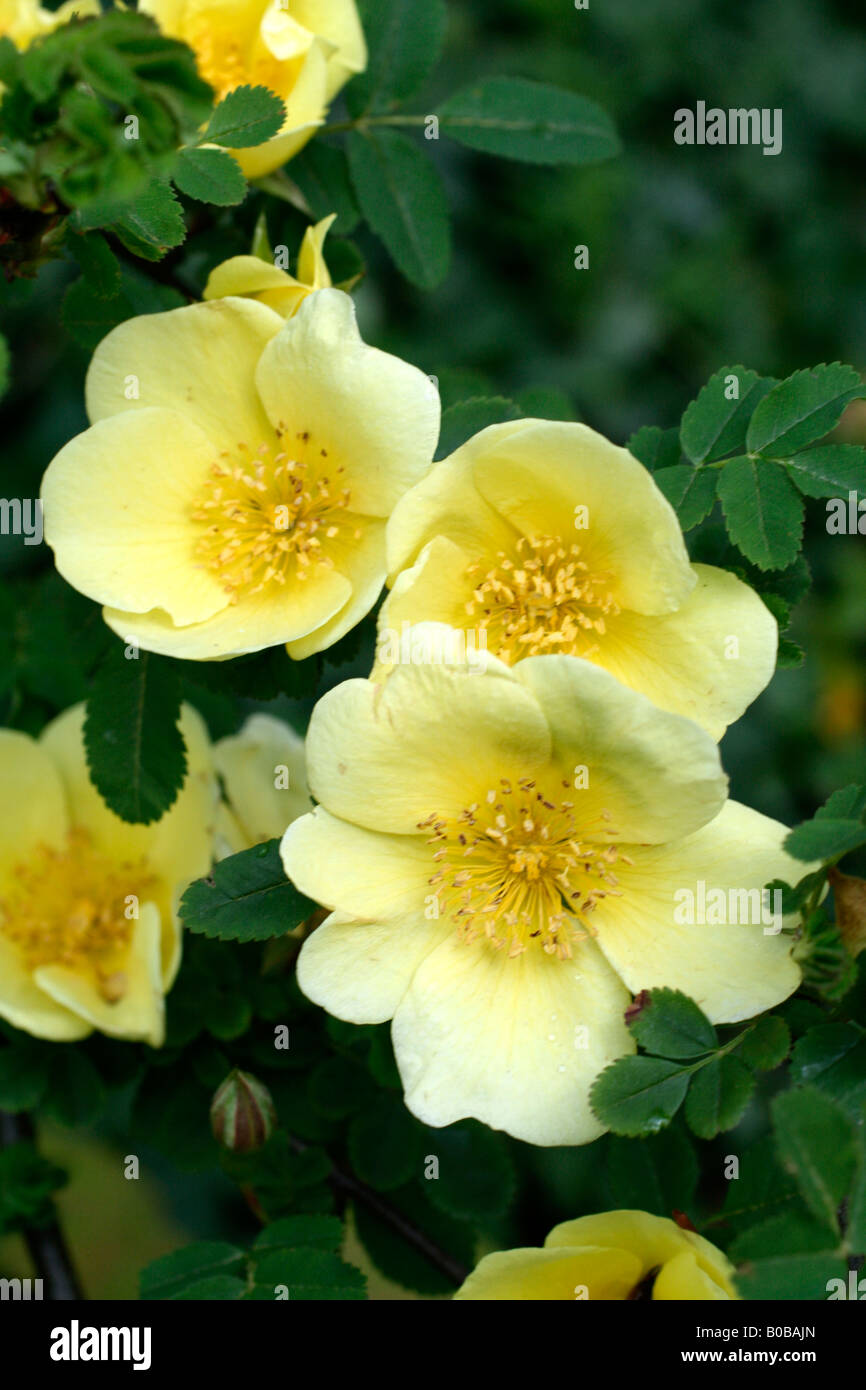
(617,1255)
(232,491)
(89,937)
(22,21)
(501,847)
(540,537)
(250,277)
(264,774)
(304,50)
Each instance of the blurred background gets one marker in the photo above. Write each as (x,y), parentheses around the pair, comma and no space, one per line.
(699,257)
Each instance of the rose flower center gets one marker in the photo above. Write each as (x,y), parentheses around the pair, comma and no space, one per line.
(73,907)
(542,599)
(267,514)
(518,869)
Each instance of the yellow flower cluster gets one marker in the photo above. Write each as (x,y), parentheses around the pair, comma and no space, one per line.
(507,807)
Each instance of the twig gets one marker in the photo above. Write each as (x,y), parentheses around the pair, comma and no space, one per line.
(348,1185)
(46,1244)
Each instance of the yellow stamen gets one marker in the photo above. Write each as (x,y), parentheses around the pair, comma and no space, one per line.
(73,907)
(522,869)
(542,600)
(267,513)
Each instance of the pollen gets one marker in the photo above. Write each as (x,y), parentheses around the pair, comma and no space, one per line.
(74,907)
(267,516)
(541,599)
(225,63)
(522,869)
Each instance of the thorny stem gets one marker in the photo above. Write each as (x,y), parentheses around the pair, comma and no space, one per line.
(46,1244)
(348,1186)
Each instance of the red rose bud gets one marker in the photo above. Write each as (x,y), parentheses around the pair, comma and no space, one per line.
(242,1113)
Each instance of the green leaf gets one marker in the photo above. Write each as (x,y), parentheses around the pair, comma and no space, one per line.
(322,174)
(816,1143)
(804,407)
(825,838)
(401,196)
(829,470)
(247,116)
(172,1275)
(785,1258)
(638,1095)
(760,1189)
(846,803)
(530,121)
(655,448)
(460,422)
(476,1179)
(384,1143)
(216,1288)
(300,1233)
(152,223)
(247,897)
(304,1275)
(657,1175)
(789,654)
(404,41)
(690,491)
(135,751)
(713,425)
(718,1096)
(545,403)
(763,511)
(855,1229)
(210,176)
(99,265)
(670,1024)
(832,1056)
(88,318)
(767,1045)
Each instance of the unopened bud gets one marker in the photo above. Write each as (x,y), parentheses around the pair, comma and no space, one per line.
(242,1113)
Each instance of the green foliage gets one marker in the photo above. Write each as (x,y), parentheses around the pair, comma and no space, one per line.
(836,828)
(467,418)
(763,511)
(405,43)
(246,116)
(294,1258)
(637,1096)
(135,751)
(246,898)
(817,1143)
(691,492)
(715,423)
(321,172)
(211,176)
(401,195)
(802,409)
(530,121)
